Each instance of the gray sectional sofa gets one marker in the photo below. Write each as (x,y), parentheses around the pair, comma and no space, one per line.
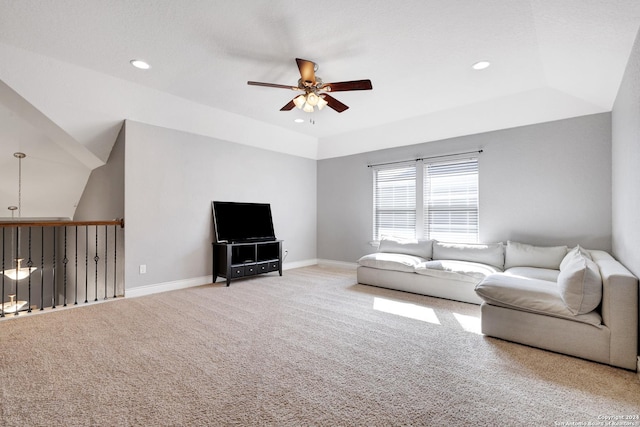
(578,302)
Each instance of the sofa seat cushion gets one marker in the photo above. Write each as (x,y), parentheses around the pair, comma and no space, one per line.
(466,271)
(534,273)
(532,295)
(396,262)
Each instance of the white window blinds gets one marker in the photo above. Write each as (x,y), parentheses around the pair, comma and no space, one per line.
(394,201)
(451,201)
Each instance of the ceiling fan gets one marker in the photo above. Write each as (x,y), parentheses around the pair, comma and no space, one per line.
(315,90)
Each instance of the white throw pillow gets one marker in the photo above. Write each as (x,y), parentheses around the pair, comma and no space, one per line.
(580,284)
(571,254)
(524,255)
(393,245)
(490,254)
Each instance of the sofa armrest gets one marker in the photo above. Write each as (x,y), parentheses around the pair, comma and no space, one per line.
(619,308)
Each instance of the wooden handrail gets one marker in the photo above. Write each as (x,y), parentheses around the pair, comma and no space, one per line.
(119,222)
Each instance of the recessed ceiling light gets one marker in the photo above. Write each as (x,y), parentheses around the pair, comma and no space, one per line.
(138,63)
(481,65)
(299,120)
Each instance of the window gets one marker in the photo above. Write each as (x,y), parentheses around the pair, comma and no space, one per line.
(394,202)
(451,201)
(427,200)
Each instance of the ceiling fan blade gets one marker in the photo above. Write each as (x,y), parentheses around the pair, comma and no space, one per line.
(272,85)
(307,71)
(334,103)
(289,106)
(344,86)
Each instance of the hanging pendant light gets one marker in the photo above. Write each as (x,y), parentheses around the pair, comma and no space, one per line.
(13,306)
(18,272)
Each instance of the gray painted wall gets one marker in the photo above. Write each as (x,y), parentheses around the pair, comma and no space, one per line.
(103,196)
(625,160)
(171,177)
(543,184)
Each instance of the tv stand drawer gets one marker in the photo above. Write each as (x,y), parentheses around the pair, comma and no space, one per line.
(263,267)
(237,271)
(274,266)
(250,270)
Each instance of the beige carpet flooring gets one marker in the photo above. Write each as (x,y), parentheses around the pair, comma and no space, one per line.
(311,348)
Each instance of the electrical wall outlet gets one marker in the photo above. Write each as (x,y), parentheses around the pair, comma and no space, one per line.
(143,268)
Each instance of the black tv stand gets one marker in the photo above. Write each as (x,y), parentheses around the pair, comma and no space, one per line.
(236,260)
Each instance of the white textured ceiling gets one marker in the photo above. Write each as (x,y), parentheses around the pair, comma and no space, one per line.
(551,59)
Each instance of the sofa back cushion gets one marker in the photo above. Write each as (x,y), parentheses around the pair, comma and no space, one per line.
(580,284)
(490,254)
(392,245)
(524,255)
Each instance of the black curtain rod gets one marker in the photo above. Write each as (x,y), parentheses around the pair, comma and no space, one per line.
(425,158)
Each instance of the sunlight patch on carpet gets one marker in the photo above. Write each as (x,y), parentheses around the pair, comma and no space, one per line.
(404,309)
(468,323)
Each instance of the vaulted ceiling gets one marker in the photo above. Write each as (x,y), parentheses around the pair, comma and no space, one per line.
(67,84)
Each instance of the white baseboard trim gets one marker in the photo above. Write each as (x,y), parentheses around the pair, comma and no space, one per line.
(166,286)
(299,264)
(197,281)
(342,264)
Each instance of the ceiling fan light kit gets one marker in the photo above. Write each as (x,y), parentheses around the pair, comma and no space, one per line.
(308,101)
(315,91)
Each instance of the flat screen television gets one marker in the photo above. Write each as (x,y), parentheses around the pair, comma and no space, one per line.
(236,222)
